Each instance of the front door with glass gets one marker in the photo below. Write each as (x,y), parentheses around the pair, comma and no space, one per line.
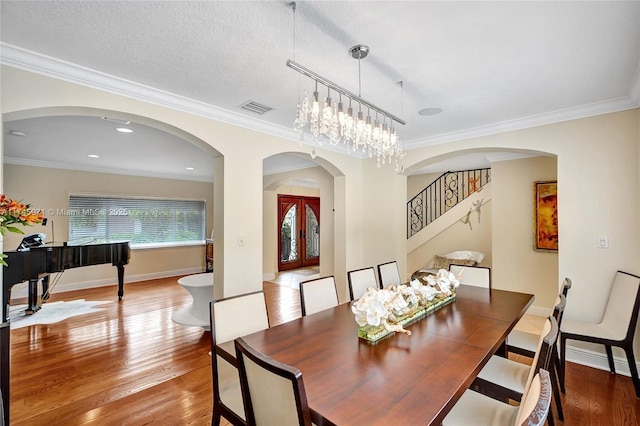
(299,225)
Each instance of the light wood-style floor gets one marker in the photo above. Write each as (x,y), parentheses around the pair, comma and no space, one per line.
(131,365)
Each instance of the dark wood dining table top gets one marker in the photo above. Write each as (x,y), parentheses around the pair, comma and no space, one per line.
(401,380)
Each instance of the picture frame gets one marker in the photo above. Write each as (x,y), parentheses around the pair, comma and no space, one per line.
(545,221)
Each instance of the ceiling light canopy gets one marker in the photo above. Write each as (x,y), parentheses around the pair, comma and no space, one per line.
(430,111)
(124,130)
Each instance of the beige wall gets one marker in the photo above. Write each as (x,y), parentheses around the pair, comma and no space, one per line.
(517,266)
(416,183)
(48,189)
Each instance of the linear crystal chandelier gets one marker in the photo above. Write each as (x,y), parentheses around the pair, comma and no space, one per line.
(361,125)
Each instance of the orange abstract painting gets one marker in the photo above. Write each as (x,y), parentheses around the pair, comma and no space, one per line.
(546,215)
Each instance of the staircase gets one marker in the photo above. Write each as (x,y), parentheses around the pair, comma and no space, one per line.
(443,194)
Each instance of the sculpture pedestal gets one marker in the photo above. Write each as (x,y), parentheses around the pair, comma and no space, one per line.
(200,287)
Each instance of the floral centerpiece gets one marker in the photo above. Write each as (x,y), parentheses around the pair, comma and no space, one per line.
(381,312)
(12,213)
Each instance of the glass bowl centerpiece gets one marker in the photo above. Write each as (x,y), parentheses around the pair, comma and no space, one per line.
(382,312)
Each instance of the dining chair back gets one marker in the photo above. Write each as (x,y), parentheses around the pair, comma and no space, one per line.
(360,280)
(477,276)
(617,327)
(389,274)
(505,378)
(230,318)
(476,409)
(566,286)
(535,405)
(318,294)
(273,392)
(523,342)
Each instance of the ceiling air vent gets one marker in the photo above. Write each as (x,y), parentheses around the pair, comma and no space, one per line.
(255,107)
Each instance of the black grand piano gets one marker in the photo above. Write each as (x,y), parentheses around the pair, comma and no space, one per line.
(35,263)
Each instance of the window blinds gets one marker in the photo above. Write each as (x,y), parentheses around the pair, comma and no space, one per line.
(142,221)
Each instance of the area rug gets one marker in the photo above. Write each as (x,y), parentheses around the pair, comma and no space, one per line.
(53,312)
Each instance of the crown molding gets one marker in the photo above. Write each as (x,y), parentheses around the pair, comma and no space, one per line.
(52,67)
(108,170)
(584,111)
(62,70)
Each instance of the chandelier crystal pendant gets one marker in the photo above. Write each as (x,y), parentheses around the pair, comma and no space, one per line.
(328,121)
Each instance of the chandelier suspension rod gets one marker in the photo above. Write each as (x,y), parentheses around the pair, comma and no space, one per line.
(318,78)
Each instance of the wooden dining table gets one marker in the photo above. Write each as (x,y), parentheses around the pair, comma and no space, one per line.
(402,379)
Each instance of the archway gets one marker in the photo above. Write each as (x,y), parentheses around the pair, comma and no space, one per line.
(78,178)
(507,205)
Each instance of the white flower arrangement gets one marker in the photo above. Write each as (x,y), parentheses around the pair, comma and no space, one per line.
(383,307)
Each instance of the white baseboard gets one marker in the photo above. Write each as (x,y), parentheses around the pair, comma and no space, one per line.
(598,360)
(20,291)
(268,277)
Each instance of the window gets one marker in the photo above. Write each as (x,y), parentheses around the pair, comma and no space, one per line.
(145,222)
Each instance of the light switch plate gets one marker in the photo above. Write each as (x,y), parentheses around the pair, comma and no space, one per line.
(603,241)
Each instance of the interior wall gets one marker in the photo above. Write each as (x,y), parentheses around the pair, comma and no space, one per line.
(416,183)
(48,189)
(383,219)
(513,231)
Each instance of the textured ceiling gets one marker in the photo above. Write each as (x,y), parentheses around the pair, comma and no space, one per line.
(490,66)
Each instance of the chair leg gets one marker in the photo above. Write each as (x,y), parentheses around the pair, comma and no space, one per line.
(215,419)
(556,389)
(562,369)
(556,366)
(612,367)
(550,420)
(633,369)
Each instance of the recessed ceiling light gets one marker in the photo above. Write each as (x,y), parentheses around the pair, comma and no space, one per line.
(17,133)
(190,168)
(124,130)
(116,120)
(93,156)
(430,111)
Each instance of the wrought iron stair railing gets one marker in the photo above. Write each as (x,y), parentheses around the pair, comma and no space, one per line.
(442,195)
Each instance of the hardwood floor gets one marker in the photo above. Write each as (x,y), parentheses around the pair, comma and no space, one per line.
(131,365)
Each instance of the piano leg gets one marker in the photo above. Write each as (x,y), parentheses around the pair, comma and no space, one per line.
(45,288)
(120,281)
(34,302)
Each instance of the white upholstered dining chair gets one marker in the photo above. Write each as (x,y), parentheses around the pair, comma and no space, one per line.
(273,392)
(231,318)
(389,274)
(617,327)
(524,342)
(318,294)
(477,276)
(504,378)
(359,280)
(476,409)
